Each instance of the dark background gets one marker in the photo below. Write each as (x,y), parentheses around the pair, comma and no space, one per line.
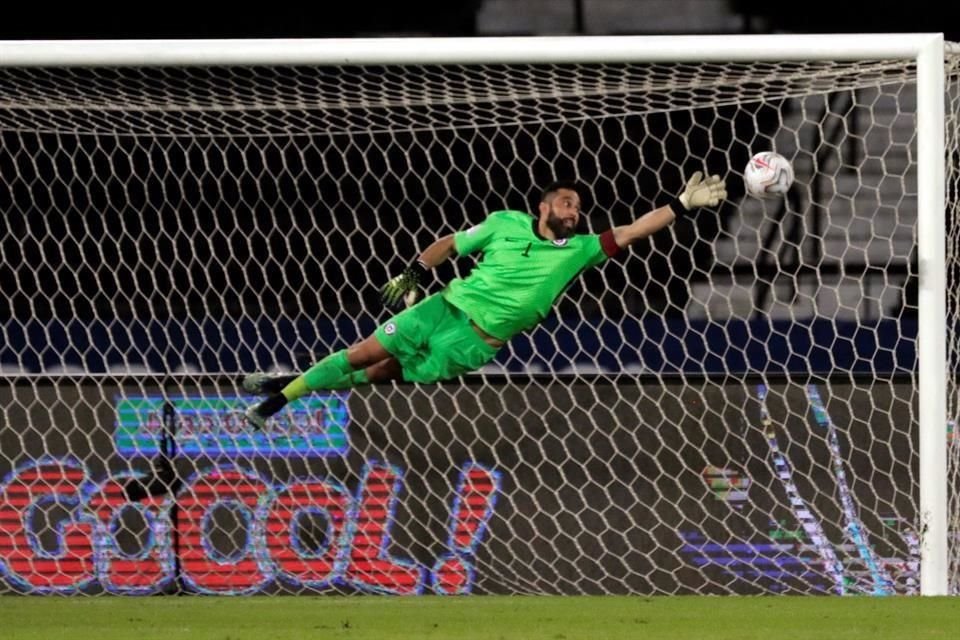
(199,254)
(430,17)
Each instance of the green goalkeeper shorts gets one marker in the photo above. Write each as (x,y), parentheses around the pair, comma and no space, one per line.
(434,340)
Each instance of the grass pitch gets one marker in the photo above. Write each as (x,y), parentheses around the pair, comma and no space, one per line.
(479,617)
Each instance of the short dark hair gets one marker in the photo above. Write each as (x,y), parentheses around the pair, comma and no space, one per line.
(556,185)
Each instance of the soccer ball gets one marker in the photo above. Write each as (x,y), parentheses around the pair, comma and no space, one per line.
(768,175)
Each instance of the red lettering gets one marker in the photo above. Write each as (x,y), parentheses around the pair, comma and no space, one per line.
(154,567)
(273,534)
(201,568)
(306,567)
(72,564)
(472,508)
(369,565)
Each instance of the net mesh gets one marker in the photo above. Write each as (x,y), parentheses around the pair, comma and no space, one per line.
(730,407)
(952,143)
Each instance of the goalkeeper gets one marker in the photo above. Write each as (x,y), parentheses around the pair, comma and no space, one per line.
(527,263)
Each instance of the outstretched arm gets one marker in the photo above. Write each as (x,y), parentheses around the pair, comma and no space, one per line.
(645,225)
(699,192)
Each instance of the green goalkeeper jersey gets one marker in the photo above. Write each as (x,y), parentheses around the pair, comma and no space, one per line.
(520,274)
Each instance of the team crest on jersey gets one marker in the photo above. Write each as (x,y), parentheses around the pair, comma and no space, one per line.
(390,328)
(560,242)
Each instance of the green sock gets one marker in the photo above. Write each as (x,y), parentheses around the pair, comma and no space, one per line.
(331,373)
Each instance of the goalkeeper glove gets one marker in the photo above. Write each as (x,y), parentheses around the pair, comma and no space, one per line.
(701,192)
(404,287)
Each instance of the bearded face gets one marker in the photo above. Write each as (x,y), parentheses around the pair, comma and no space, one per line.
(563,213)
(562,227)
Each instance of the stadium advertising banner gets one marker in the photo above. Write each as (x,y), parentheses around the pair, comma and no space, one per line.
(214,426)
(558,487)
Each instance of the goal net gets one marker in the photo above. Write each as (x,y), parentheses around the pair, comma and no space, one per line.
(729,407)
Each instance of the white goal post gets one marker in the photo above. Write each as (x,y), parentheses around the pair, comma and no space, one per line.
(471,99)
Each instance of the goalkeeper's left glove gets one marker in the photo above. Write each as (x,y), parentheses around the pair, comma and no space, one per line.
(404,287)
(701,192)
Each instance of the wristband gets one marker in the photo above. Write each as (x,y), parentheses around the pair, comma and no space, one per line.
(678,208)
(418,270)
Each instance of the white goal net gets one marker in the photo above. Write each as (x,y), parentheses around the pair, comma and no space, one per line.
(731,407)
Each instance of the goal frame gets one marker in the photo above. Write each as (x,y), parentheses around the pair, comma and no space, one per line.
(925,49)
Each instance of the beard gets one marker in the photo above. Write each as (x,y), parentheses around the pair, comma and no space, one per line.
(559,227)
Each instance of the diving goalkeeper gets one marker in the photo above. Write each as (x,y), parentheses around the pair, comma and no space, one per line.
(527,263)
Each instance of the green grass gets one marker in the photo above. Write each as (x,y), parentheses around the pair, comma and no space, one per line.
(480,617)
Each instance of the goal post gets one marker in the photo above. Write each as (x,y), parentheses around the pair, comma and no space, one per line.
(183,211)
(932,329)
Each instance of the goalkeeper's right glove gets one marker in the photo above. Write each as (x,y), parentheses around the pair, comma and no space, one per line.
(701,192)
(404,287)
